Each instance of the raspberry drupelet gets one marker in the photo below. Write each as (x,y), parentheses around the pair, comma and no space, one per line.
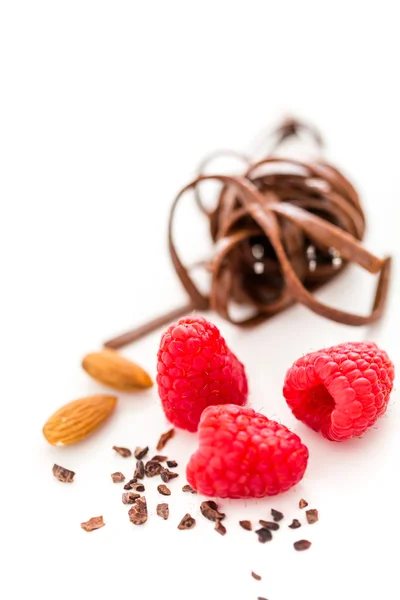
(196,369)
(340,391)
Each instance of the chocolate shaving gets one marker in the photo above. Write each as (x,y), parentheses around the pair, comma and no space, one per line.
(117,477)
(245,525)
(187,522)
(129,485)
(152,468)
(303,503)
(167,475)
(219,527)
(129,497)
(312,515)
(255,576)
(209,510)
(93,523)
(138,487)
(163,511)
(140,452)
(295,524)
(281,230)
(139,471)
(159,458)
(302,545)
(264,535)
(276,515)
(62,474)
(138,512)
(172,464)
(165,438)
(188,488)
(261,598)
(164,490)
(269,525)
(125,452)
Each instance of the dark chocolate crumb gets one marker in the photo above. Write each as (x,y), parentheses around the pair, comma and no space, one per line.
(129,485)
(312,515)
(255,576)
(246,525)
(166,475)
(261,598)
(264,535)
(138,512)
(188,488)
(276,515)
(93,523)
(141,452)
(125,452)
(62,474)
(302,545)
(187,522)
(152,468)
(295,524)
(139,471)
(117,477)
(219,527)
(172,464)
(209,510)
(163,511)
(303,503)
(269,525)
(129,497)
(165,438)
(138,487)
(164,491)
(159,458)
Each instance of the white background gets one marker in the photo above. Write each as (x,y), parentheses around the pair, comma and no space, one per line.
(105,110)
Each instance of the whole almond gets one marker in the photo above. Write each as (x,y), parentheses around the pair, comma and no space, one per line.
(78,419)
(115,371)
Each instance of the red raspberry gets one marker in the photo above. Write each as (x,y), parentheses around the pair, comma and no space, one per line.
(195,369)
(243,454)
(340,391)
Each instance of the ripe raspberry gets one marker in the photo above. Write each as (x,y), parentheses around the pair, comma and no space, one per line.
(195,369)
(242,454)
(340,391)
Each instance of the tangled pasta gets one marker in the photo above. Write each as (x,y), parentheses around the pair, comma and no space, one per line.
(281,230)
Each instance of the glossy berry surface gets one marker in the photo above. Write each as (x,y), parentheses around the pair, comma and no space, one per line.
(242,454)
(340,391)
(196,369)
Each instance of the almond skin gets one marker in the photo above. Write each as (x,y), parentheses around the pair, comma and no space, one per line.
(115,371)
(78,419)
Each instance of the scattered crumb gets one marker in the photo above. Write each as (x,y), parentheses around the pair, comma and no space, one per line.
(93,523)
(62,474)
(164,438)
(125,452)
(312,515)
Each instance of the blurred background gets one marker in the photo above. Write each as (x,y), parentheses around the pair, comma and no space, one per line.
(107,108)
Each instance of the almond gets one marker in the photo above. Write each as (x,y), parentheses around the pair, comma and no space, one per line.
(115,371)
(78,419)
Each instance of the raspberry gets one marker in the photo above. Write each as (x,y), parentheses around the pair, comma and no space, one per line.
(342,390)
(243,454)
(195,369)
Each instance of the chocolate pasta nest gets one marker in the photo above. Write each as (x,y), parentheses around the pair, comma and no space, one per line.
(281,230)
